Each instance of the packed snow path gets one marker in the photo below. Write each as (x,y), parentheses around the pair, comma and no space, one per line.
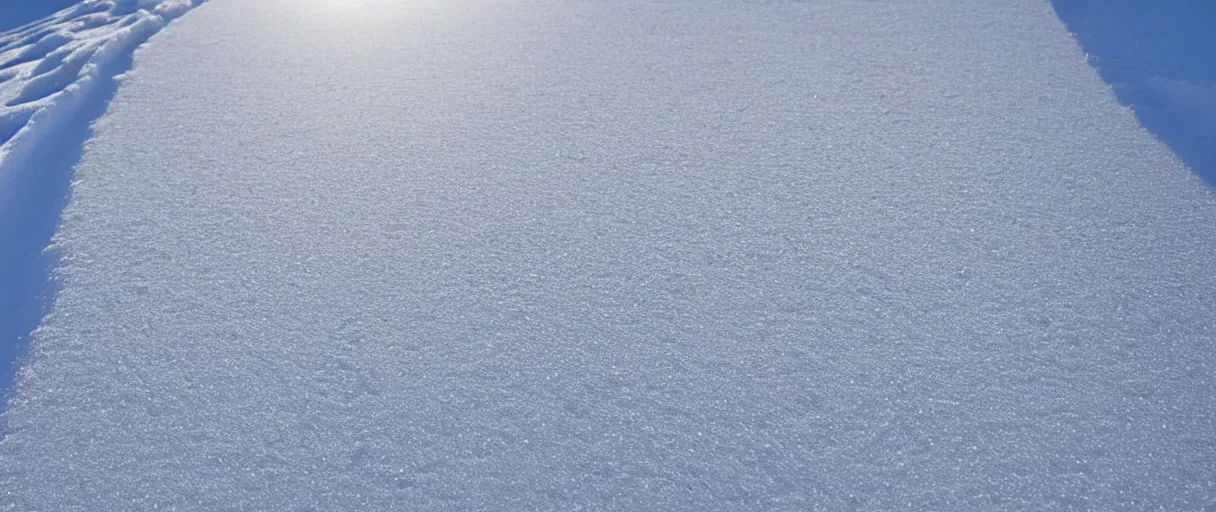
(624,255)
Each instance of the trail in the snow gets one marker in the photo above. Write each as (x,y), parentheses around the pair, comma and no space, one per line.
(622,255)
(56,76)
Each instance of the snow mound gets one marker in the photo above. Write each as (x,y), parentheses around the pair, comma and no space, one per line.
(49,68)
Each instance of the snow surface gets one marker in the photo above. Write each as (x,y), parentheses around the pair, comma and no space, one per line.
(639,254)
(56,76)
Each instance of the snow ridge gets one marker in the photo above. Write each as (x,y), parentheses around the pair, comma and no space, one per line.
(50,68)
(56,75)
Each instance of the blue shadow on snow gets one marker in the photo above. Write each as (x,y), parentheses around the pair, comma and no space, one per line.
(1159,56)
(15,13)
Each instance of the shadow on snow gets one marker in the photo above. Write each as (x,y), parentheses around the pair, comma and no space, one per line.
(19,12)
(1160,59)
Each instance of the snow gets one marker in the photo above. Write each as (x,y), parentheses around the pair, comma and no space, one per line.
(1157,56)
(56,75)
(623,255)
(49,66)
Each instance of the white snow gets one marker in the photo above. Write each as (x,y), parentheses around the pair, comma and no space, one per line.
(622,255)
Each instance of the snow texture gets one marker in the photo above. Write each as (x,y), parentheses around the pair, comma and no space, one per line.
(622,255)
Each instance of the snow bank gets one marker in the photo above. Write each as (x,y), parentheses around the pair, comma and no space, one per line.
(56,76)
